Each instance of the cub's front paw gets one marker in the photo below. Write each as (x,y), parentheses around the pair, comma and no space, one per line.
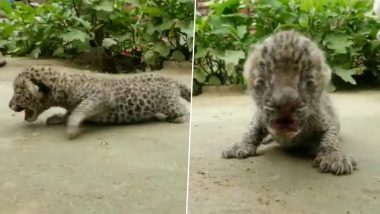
(239,151)
(72,131)
(56,119)
(335,163)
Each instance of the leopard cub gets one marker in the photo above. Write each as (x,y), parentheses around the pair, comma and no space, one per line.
(97,98)
(287,75)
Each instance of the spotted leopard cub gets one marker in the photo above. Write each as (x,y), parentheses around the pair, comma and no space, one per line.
(287,75)
(98,98)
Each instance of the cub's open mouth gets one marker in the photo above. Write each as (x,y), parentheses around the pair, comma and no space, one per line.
(285,124)
(29,114)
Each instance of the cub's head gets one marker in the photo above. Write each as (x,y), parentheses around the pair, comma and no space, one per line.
(29,94)
(287,74)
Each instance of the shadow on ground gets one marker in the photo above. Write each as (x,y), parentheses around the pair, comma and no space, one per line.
(276,181)
(123,169)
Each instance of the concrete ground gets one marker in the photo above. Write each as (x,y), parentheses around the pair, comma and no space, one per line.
(125,169)
(277,182)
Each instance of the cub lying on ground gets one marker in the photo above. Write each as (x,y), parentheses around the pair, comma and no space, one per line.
(287,75)
(98,98)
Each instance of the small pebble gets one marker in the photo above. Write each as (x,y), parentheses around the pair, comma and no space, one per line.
(35,134)
(103,143)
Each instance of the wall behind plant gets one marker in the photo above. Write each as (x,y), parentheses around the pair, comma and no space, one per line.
(342,28)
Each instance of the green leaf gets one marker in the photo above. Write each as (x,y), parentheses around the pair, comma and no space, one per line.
(108,42)
(73,35)
(35,53)
(151,29)
(220,54)
(151,57)
(200,75)
(222,30)
(227,29)
(187,28)
(153,11)
(59,52)
(230,68)
(106,6)
(233,56)
(3,43)
(221,6)
(307,5)
(123,37)
(162,48)
(190,44)
(345,74)
(304,21)
(213,80)
(330,87)
(81,47)
(241,31)
(165,25)
(187,1)
(200,53)
(135,2)
(178,56)
(6,6)
(338,43)
(86,24)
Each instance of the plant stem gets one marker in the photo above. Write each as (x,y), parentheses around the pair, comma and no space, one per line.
(75,8)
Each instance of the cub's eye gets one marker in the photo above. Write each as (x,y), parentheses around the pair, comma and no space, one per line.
(310,83)
(259,83)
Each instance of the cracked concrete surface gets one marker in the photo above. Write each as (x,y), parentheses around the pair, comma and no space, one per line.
(124,169)
(277,182)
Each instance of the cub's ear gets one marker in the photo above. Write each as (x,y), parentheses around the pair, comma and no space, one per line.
(249,66)
(37,88)
(326,75)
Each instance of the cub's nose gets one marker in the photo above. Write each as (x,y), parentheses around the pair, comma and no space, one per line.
(286,100)
(14,107)
(10,104)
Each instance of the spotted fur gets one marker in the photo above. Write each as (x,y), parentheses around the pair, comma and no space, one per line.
(98,98)
(287,75)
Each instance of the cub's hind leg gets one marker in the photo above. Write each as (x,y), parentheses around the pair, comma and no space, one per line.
(173,109)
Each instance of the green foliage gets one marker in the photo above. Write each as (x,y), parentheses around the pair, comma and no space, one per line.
(342,28)
(221,37)
(148,31)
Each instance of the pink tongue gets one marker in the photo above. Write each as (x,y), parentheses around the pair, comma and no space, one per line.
(27,114)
